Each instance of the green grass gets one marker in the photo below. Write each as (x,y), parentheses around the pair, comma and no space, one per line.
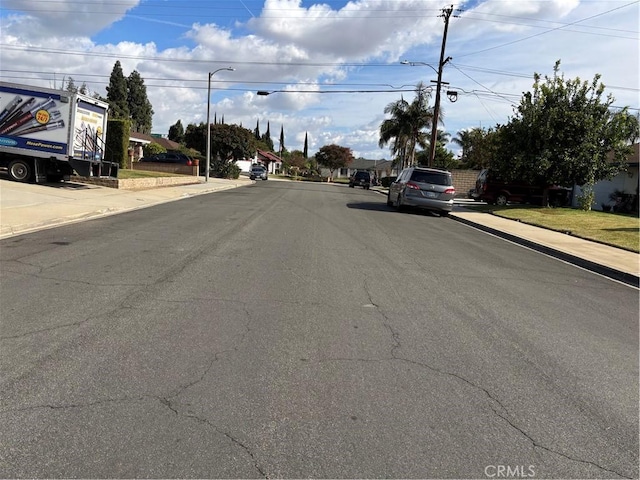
(126,174)
(618,230)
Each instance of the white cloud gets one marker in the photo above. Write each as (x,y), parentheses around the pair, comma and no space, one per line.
(64,18)
(496,47)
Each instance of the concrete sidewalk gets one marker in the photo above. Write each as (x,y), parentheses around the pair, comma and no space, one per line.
(27,207)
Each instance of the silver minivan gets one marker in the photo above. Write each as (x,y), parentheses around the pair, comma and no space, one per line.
(427,188)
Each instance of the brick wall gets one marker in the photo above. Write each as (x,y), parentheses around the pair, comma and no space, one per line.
(463,181)
(136,183)
(166,168)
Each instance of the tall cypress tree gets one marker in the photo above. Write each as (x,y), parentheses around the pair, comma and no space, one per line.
(282,139)
(305,153)
(256,132)
(266,138)
(139,105)
(117,93)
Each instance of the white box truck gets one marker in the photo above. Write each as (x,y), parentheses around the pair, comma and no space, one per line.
(47,134)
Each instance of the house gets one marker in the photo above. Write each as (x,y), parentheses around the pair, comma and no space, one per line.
(626,182)
(138,140)
(270,160)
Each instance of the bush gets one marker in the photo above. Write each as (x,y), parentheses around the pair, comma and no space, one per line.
(224,169)
(153,149)
(117,142)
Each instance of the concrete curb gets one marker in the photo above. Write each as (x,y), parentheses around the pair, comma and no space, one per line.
(624,277)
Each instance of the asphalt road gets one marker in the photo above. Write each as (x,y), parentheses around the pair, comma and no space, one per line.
(291,330)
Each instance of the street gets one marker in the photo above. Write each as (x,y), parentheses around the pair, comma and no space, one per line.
(295,330)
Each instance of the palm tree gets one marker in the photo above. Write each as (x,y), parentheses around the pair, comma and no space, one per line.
(407,126)
(392,131)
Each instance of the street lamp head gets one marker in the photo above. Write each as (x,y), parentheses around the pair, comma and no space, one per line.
(229,69)
(263,93)
(417,64)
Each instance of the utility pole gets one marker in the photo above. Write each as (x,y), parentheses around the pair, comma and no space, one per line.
(446,14)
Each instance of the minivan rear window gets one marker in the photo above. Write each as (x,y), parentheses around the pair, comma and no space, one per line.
(435,178)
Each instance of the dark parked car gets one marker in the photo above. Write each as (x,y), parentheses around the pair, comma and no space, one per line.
(360,179)
(258,172)
(427,188)
(168,157)
(492,189)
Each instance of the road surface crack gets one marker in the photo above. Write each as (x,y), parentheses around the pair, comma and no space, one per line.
(504,416)
(236,441)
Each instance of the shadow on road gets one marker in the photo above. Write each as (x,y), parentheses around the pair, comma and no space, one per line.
(374,206)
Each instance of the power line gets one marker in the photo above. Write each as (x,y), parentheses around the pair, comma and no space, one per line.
(547,31)
(141,11)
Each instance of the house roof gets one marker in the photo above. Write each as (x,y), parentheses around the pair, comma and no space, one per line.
(271,157)
(366,164)
(146,139)
(140,138)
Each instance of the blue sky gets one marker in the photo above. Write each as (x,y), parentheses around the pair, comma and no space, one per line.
(345,49)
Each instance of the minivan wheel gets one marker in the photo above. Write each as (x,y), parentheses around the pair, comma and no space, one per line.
(501,199)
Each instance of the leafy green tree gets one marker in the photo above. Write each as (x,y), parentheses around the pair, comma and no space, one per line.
(444,158)
(176,132)
(477,145)
(84,89)
(295,163)
(195,136)
(333,157)
(231,142)
(407,127)
(564,132)
(138,103)
(117,93)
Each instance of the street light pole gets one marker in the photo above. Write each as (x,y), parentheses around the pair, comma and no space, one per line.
(208,160)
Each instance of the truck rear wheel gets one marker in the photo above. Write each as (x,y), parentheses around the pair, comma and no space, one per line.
(20,171)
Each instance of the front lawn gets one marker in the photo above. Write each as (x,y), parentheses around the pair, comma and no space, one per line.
(619,230)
